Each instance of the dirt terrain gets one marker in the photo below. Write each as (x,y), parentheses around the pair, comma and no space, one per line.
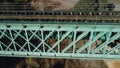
(66,4)
(112,63)
(53,4)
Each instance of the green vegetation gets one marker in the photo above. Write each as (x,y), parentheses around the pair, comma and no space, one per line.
(91,5)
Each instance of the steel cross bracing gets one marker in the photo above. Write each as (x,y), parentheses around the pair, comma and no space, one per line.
(73,41)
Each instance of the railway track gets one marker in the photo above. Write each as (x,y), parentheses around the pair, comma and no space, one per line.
(60,16)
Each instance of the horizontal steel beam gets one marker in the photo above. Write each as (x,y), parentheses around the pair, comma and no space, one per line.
(59,55)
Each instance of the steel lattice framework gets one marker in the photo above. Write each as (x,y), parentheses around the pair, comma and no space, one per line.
(91,41)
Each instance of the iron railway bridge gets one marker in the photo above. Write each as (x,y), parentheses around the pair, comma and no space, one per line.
(71,34)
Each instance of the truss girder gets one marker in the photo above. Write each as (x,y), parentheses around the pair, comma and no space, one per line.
(60,40)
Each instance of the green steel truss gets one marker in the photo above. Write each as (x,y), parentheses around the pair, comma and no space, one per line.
(73,41)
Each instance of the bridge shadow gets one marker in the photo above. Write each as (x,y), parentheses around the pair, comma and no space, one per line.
(58,65)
